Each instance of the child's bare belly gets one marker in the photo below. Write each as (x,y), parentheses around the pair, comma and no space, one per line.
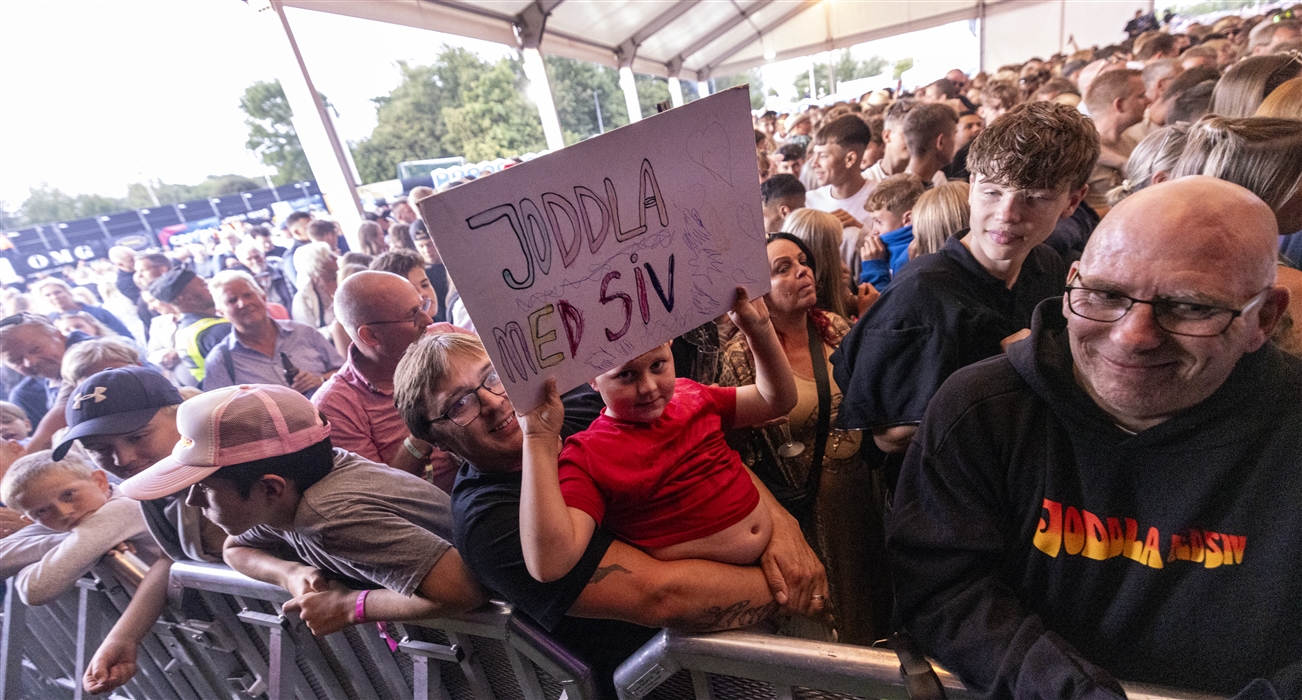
(740,544)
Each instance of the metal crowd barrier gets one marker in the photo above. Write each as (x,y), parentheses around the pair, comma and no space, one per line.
(754,666)
(224,635)
(45,649)
(488,654)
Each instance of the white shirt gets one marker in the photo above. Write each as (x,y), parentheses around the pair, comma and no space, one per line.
(821,199)
(876,174)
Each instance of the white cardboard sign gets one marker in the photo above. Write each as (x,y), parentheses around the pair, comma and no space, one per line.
(577,261)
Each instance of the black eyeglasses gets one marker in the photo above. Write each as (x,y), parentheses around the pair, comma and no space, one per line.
(425,306)
(1171,315)
(465,410)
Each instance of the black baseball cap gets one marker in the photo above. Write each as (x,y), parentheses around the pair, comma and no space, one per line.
(115,402)
(168,287)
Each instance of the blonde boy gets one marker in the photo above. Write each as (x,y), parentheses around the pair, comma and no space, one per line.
(69,496)
(886,248)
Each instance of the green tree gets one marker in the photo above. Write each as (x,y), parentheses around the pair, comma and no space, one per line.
(409,120)
(494,120)
(847,68)
(271,133)
(753,77)
(690,93)
(1197,8)
(46,204)
(213,186)
(222,185)
(138,194)
(573,84)
(461,105)
(900,66)
(651,91)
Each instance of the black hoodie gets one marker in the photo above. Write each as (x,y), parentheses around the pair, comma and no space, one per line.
(942,312)
(1037,544)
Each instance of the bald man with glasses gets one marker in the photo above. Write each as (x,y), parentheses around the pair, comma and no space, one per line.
(383,315)
(1117,496)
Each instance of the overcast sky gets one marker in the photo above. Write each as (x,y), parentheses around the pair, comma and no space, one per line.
(102,93)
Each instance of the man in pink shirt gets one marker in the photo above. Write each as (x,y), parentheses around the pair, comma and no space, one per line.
(383,315)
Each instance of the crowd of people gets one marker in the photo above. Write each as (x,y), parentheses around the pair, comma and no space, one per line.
(1026,386)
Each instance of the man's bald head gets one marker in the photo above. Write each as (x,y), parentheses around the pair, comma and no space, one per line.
(1206,220)
(365,295)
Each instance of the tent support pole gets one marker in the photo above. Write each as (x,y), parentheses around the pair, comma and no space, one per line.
(529,27)
(327,154)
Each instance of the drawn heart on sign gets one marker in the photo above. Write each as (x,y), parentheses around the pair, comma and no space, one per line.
(708,148)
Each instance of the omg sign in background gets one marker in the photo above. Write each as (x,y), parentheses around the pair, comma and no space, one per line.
(580,260)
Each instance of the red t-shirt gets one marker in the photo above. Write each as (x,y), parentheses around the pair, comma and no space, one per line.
(666,482)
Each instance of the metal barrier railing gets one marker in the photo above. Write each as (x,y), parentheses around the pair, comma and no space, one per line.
(45,649)
(759,666)
(488,654)
(225,636)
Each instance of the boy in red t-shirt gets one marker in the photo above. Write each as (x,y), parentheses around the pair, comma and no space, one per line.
(654,468)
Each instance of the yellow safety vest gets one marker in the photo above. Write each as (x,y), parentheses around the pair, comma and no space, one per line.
(187,344)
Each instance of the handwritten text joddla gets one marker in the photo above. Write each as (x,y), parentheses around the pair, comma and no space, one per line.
(561,226)
(574,262)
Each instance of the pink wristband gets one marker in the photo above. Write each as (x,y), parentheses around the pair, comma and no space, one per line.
(359,611)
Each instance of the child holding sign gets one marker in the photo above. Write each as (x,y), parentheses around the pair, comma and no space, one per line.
(654,468)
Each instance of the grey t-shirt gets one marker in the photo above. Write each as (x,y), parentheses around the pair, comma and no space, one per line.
(181,530)
(368,522)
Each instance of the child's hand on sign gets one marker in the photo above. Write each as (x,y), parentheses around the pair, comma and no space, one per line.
(546,420)
(749,316)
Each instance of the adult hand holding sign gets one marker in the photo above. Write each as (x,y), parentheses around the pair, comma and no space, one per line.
(576,261)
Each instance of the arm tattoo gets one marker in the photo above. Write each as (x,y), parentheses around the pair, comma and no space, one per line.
(739,614)
(604,571)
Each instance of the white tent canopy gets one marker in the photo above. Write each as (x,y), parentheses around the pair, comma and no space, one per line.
(699,39)
(1023,30)
(675,39)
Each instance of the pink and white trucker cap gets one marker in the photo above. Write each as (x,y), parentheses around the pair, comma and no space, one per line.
(230,426)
